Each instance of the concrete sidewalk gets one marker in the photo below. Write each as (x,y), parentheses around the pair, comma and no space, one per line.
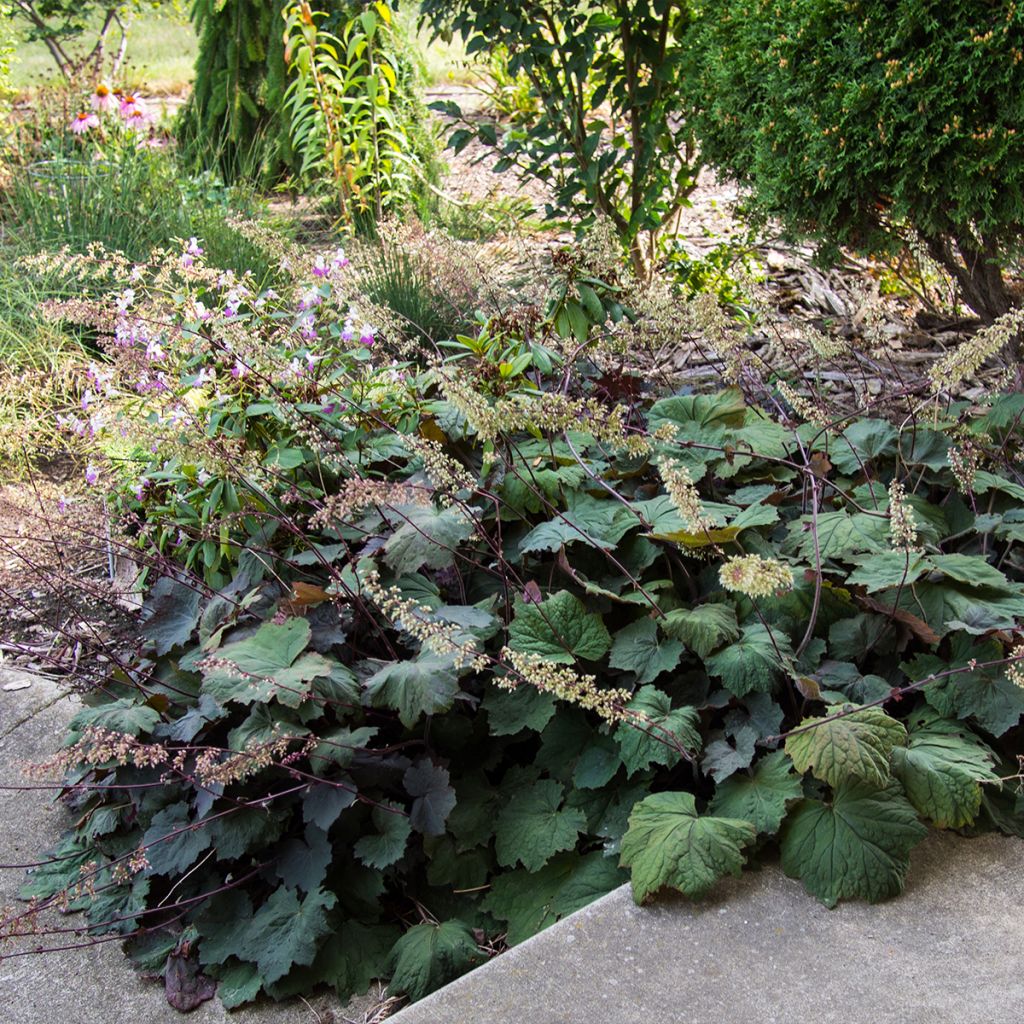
(761,951)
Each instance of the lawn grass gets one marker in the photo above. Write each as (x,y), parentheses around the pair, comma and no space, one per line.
(160,57)
(162,52)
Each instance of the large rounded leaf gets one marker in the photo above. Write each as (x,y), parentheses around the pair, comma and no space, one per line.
(856,847)
(669,846)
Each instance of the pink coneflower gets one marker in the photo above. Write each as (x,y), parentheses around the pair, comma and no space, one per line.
(83,122)
(132,106)
(102,98)
(136,120)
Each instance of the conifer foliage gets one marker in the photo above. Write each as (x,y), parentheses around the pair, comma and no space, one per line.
(231,121)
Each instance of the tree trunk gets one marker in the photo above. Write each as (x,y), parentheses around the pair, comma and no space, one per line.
(975,268)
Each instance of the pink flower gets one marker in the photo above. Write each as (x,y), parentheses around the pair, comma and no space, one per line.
(366,335)
(101,98)
(132,108)
(92,475)
(324,267)
(307,327)
(136,120)
(83,122)
(192,250)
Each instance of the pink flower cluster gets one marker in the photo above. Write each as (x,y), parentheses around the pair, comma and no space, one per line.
(130,107)
(324,267)
(192,251)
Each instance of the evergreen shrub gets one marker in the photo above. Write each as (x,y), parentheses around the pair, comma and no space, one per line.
(873,124)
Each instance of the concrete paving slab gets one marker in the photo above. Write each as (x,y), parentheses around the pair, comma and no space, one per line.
(761,951)
(95,985)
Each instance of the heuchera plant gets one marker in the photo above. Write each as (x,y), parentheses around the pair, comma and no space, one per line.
(482,640)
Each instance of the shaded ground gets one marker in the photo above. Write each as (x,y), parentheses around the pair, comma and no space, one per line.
(65,614)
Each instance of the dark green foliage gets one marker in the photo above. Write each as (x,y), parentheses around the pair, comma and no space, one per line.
(463,704)
(232,122)
(861,122)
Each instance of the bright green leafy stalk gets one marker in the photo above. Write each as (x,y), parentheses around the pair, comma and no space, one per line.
(346,111)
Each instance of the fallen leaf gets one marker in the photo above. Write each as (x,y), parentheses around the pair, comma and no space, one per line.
(185,986)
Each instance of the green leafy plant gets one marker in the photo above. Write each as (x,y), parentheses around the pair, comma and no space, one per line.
(505,94)
(346,111)
(719,270)
(610,135)
(490,639)
(482,220)
(871,124)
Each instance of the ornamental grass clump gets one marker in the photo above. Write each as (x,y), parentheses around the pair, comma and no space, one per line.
(437,650)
